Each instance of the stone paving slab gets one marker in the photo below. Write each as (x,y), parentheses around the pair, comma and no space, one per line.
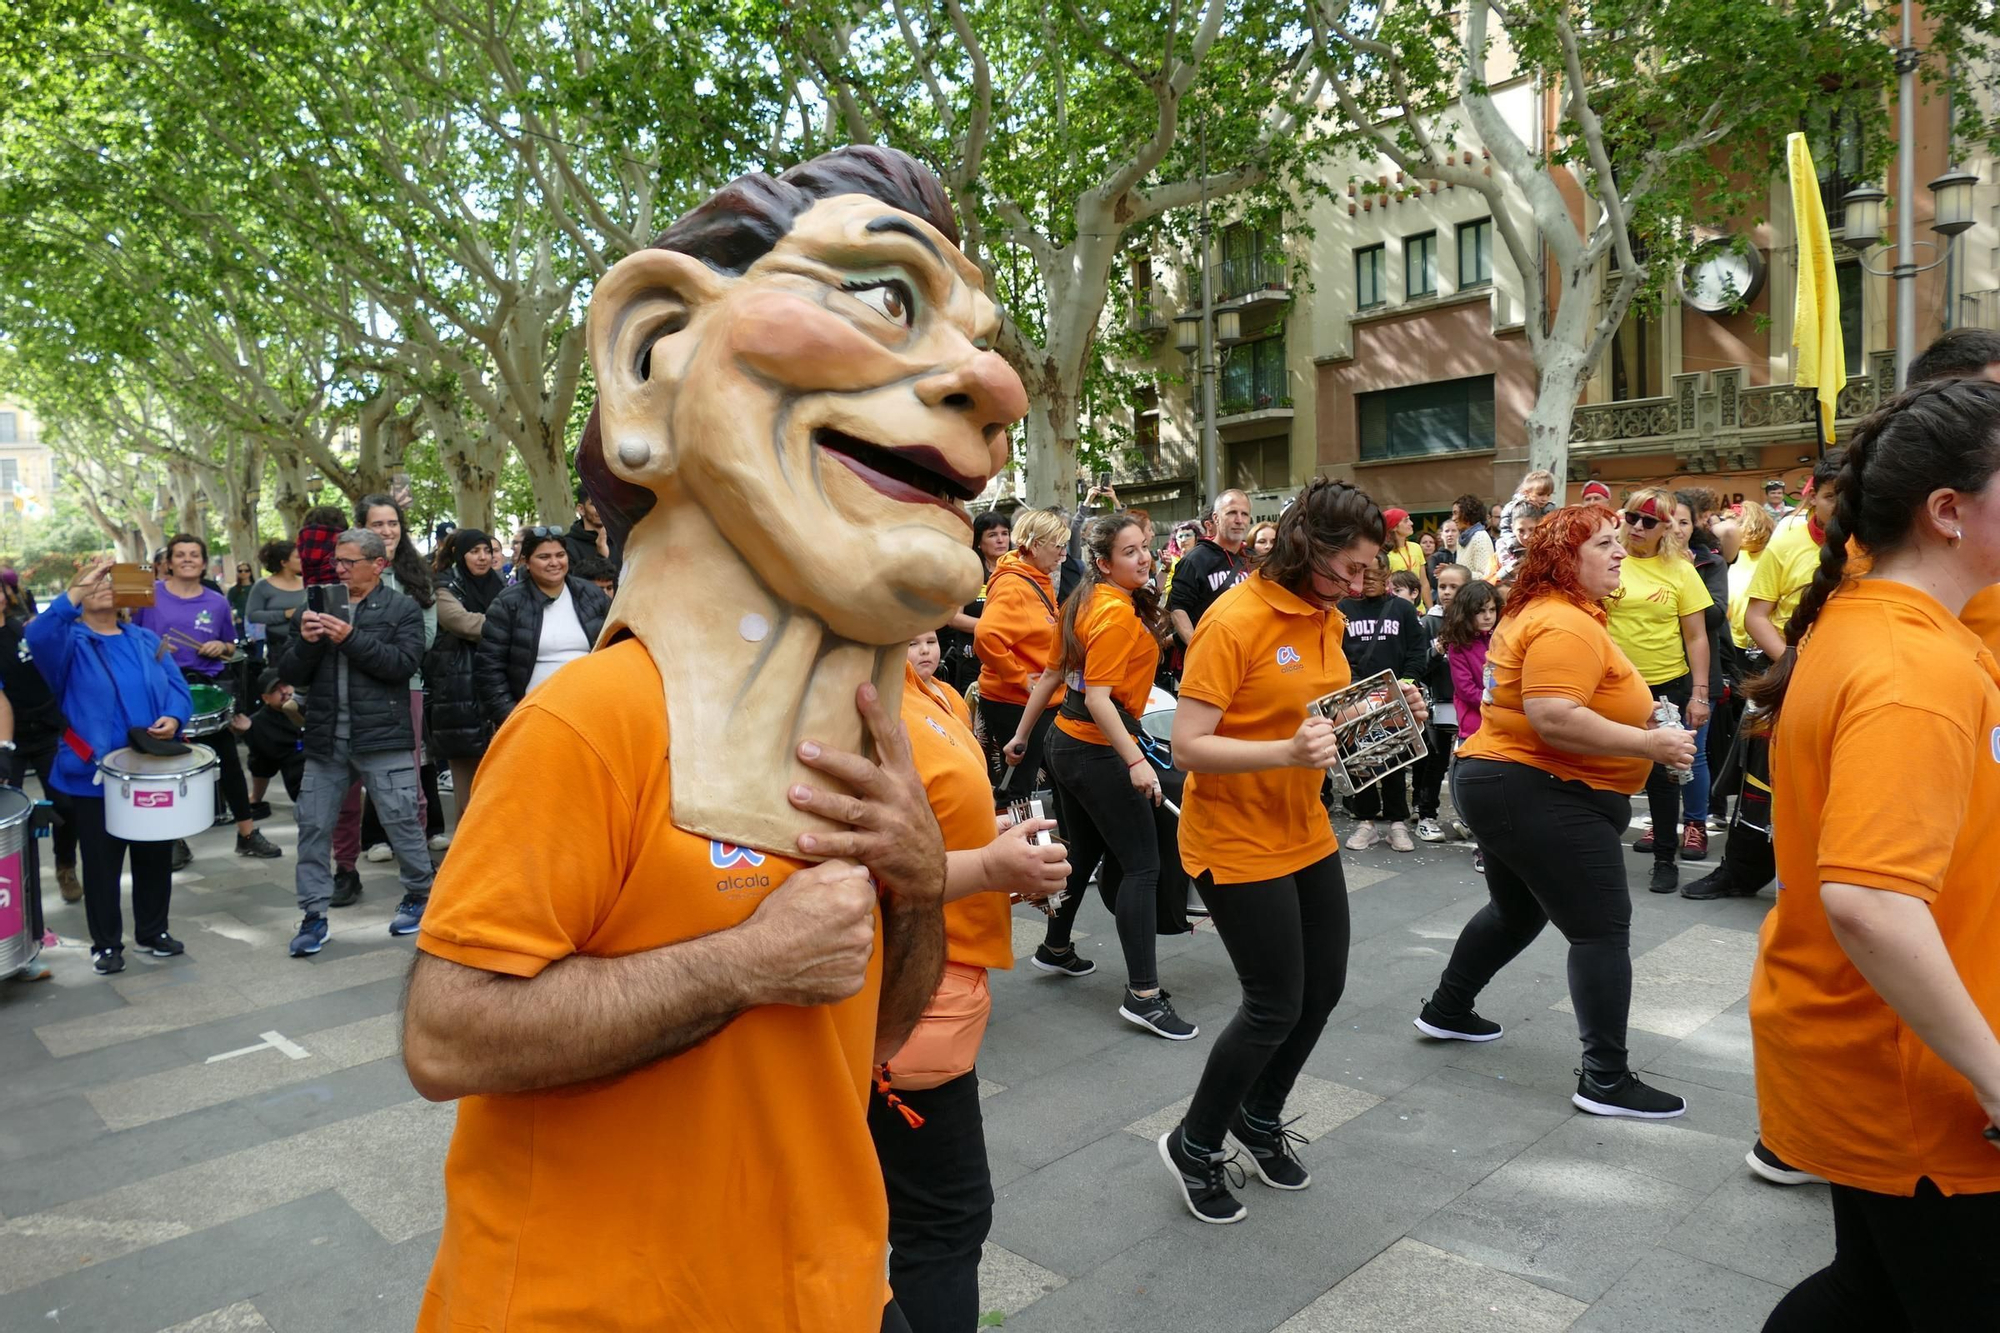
(1412,1288)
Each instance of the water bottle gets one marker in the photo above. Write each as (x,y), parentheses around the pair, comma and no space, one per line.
(1668,714)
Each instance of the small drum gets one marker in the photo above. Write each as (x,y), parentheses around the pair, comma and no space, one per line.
(157,798)
(213,707)
(20,921)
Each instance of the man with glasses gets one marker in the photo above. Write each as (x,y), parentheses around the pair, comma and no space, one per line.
(357,666)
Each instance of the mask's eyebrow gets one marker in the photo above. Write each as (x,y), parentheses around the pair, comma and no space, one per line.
(902,226)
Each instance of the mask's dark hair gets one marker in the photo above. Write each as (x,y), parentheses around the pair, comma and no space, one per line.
(734,228)
(1959,354)
(1100,538)
(1469,509)
(179,538)
(1458,628)
(273,555)
(405,560)
(1327,517)
(1944,435)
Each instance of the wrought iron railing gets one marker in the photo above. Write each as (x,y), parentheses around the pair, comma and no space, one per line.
(1716,410)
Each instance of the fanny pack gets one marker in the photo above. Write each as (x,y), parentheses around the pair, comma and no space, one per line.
(945,1043)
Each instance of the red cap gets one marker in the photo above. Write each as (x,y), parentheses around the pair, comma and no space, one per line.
(1596,488)
(1392,517)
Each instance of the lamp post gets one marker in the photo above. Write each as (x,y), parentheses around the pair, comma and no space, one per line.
(1194,331)
(1864,207)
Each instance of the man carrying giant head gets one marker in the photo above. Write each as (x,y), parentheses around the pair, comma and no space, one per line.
(699,893)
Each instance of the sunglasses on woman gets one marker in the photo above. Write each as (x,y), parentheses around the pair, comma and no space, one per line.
(1645,522)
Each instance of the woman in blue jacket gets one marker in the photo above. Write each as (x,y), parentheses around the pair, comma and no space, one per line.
(108,678)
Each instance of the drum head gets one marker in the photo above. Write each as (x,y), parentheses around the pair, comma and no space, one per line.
(130,763)
(210,698)
(15,806)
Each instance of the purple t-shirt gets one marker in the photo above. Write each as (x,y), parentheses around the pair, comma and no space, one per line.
(200,618)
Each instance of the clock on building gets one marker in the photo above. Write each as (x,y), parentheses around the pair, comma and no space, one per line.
(1721,277)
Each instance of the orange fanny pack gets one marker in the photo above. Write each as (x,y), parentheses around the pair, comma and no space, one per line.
(946,1041)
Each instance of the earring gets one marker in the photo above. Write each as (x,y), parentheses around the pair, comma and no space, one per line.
(1956,535)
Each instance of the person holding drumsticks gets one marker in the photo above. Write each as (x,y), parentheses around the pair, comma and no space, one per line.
(1875,1000)
(109,678)
(1564,740)
(1256,837)
(199,630)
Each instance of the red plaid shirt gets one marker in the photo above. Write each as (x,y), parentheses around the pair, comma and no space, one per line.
(316,553)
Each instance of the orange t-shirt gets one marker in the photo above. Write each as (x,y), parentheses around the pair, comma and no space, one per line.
(978,930)
(1018,633)
(1260,654)
(1885,772)
(731,1187)
(1982,616)
(1118,652)
(1556,649)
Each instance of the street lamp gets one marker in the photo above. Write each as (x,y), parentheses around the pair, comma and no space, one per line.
(1864,208)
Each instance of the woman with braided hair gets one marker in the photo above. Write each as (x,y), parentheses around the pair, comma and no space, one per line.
(1875,1000)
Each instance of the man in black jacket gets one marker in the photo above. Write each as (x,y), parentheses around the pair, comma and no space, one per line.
(357,668)
(1213,567)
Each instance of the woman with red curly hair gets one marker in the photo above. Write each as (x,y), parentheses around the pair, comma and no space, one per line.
(1546,786)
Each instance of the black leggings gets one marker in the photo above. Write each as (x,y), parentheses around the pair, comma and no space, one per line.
(940,1202)
(103,862)
(1388,799)
(1103,814)
(1552,854)
(1288,940)
(43,759)
(1431,769)
(1663,794)
(1923,1263)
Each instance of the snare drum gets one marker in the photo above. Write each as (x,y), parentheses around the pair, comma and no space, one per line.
(213,707)
(157,798)
(20,917)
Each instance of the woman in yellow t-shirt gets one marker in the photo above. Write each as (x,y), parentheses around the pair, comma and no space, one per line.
(1656,617)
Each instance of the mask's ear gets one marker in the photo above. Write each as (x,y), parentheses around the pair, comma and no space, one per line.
(638,314)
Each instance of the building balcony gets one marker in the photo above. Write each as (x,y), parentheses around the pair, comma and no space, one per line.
(1979,310)
(1712,417)
(1252,282)
(1149,317)
(1255,383)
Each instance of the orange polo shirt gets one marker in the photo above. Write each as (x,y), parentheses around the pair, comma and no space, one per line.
(1017,634)
(1555,648)
(1260,654)
(1118,652)
(1885,772)
(978,931)
(733,1187)
(1982,616)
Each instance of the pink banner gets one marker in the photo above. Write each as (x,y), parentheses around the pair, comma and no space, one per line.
(13,908)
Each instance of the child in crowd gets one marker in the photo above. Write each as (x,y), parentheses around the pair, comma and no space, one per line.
(317,535)
(1384,633)
(1538,492)
(1444,714)
(277,741)
(1527,517)
(1407,586)
(1468,632)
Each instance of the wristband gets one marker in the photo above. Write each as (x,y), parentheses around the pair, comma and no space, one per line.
(1139,762)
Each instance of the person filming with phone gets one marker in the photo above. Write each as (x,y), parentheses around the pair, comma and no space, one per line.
(358,644)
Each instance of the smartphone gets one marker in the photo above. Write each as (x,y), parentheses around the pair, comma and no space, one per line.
(328,599)
(399,483)
(1104,481)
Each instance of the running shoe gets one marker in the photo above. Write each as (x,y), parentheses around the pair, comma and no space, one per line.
(1271,1153)
(1431,831)
(1717,884)
(1625,1095)
(1155,1013)
(1665,879)
(1694,842)
(1645,843)
(107,961)
(439,841)
(311,937)
(1399,837)
(380,852)
(254,843)
(1203,1181)
(162,945)
(1479,861)
(1461,830)
(1363,837)
(409,915)
(1068,963)
(1434,1022)
(1776,1169)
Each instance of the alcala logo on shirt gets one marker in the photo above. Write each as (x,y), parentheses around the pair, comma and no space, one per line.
(934,726)
(728,856)
(1289,659)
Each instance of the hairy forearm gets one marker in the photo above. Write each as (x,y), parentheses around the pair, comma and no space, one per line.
(1893,941)
(468,1032)
(912,962)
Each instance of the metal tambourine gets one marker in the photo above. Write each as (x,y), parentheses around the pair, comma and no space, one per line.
(1380,733)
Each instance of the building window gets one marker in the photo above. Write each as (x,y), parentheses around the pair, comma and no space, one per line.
(1847,277)
(1475,253)
(10,476)
(1254,378)
(1146,426)
(1638,356)
(1836,140)
(9,428)
(1420,265)
(1260,465)
(1251,262)
(1371,277)
(1449,417)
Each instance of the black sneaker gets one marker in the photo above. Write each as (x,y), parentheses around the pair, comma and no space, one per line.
(1155,1013)
(1204,1181)
(107,961)
(162,945)
(1625,1095)
(1434,1022)
(1776,1169)
(260,810)
(1717,884)
(1665,878)
(346,887)
(183,857)
(1068,963)
(1272,1156)
(254,843)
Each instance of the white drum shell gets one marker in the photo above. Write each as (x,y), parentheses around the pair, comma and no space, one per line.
(148,798)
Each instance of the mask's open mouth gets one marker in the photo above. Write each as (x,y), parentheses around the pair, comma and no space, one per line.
(917,474)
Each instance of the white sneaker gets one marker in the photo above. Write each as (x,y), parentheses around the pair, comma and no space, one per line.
(1399,837)
(1363,837)
(440,841)
(1431,831)
(380,852)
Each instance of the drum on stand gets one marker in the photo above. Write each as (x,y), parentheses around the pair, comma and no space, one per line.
(20,894)
(213,707)
(157,798)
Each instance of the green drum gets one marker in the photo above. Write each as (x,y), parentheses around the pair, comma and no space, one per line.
(213,707)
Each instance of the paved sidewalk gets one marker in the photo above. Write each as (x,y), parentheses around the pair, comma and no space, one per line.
(227,1141)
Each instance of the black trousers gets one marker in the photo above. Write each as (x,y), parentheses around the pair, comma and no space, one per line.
(1663,793)
(1431,768)
(1287,938)
(1103,815)
(940,1203)
(1388,799)
(1923,1263)
(1001,721)
(104,862)
(1553,853)
(43,759)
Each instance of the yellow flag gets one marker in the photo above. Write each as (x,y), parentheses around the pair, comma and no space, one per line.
(1821,359)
